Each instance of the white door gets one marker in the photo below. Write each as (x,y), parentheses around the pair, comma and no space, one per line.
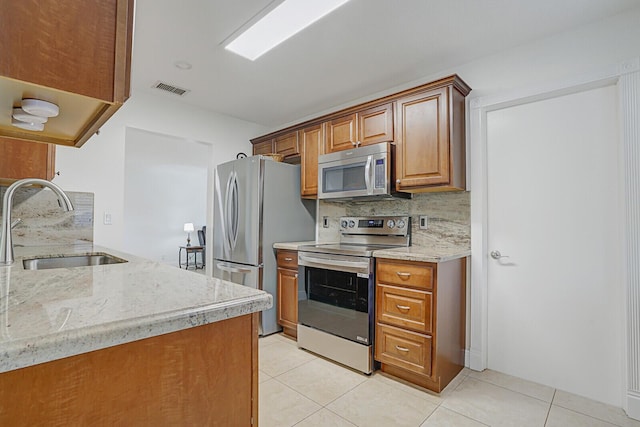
(555,307)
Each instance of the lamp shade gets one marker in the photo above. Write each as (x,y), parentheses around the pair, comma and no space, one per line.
(188,227)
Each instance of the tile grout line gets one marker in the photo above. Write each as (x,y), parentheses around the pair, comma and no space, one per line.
(546,419)
(514,391)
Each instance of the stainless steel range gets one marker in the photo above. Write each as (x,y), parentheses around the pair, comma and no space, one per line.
(336,304)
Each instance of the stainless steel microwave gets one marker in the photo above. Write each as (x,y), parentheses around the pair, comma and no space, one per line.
(360,173)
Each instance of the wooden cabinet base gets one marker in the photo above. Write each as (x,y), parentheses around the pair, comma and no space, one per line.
(436,384)
(204,376)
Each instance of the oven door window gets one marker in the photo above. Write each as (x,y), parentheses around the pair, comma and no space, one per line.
(341,178)
(336,302)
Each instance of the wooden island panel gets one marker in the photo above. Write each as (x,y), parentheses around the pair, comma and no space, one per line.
(202,376)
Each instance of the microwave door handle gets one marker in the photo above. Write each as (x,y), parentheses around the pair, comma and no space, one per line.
(367,174)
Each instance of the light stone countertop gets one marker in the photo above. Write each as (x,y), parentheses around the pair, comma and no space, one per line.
(51,314)
(434,253)
(292,246)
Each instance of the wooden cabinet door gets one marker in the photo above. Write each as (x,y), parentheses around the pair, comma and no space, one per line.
(288,300)
(375,125)
(311,146)
(75,46)
(22,159)
(341,134)
(422,151)
(264,147)
(287,144)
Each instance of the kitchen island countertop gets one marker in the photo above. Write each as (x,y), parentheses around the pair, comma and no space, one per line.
(52,314)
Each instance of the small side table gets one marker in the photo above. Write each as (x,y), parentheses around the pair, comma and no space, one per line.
(191,250)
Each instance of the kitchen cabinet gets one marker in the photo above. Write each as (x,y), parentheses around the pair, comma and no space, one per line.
(287,144)
(75,54)
(430,146)
(311,146)
(21,159)
(369,126)
(420,320)
(264,147)
(287,302)
(205,375)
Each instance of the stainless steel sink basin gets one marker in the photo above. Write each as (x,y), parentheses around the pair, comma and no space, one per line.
(67,261)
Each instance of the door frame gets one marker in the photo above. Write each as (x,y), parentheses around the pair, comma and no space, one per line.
(626,77)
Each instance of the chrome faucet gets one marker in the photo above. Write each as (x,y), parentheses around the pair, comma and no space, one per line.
(6,241)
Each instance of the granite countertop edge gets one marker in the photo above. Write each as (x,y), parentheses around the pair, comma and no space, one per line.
(22,351)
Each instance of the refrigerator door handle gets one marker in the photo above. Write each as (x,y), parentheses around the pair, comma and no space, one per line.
(225,267)
(226,222)
(234,211)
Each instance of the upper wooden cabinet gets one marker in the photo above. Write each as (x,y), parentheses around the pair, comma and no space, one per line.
(311,146)
(425,123)
(364,127)
(75,54)
(20,159)
(287,144)
(430,147)
(264,147)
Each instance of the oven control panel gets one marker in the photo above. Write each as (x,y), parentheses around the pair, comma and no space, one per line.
(379,225)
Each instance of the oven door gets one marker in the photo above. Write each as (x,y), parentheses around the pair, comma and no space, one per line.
(335,295)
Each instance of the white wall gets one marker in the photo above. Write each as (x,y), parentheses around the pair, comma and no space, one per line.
(99,166)
(166,186)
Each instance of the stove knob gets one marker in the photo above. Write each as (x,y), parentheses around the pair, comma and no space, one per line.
(343,223)
(391,223)
(401,223)
(352,224)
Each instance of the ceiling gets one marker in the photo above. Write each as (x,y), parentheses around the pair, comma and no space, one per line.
(364,47)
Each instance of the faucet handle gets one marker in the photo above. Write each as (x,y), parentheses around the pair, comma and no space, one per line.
(16,222)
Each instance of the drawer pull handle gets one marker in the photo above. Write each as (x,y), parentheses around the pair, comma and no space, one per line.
(401,274)
(402,348)
(403,307)
(288,259)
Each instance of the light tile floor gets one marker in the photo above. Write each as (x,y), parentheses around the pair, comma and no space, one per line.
(300,389)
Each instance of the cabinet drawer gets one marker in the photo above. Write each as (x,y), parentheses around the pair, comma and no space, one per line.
(287,259)
(407,308)
(403,349)
(405,273)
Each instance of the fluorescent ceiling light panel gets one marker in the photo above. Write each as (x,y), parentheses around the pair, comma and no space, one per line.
(288,18)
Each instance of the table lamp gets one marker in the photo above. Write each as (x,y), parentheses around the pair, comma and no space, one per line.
(188,228)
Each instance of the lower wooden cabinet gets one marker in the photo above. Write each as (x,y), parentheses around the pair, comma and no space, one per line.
(24,159)
(420,320)
(287,300)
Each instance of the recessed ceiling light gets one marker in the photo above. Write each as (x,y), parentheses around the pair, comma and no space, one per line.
(183,65)
(287,19)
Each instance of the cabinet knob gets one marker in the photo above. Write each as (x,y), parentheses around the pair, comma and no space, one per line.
(398,181)
(355,144)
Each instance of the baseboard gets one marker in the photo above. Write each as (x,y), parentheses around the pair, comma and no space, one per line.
(467,357)
(633,405)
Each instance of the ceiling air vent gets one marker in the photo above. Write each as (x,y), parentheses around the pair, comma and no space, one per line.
(170,88)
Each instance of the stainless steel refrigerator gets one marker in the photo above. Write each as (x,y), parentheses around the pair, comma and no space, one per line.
(256,204)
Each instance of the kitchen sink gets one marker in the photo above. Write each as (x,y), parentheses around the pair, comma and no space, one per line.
(67,261)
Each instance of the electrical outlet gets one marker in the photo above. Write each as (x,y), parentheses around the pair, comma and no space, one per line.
(107,219)
(422,222)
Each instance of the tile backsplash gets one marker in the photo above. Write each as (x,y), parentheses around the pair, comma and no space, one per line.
(45,223)
(449,217)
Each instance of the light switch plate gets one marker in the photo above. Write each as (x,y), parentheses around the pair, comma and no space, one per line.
(107,218)
(325,221)
(422,222)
